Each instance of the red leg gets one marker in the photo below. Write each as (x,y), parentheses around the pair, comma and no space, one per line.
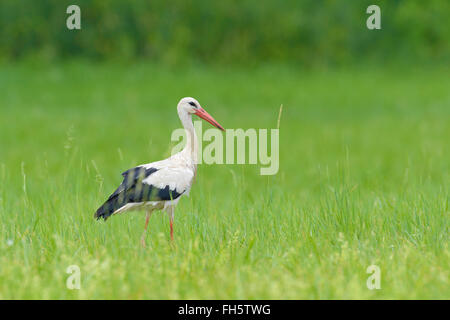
(171,229)
(147,218)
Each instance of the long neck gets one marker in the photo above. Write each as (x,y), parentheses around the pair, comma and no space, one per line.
(191,148)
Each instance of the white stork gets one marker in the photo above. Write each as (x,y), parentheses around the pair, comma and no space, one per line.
(159,185)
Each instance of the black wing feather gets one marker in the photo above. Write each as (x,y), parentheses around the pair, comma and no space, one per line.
(132,190)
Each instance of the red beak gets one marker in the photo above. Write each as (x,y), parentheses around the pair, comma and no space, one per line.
(205,116)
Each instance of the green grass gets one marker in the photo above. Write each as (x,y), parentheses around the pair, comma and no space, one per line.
(363,179)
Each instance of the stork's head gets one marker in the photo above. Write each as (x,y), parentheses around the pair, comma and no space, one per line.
(191,106)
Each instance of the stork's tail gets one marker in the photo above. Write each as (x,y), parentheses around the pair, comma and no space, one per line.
(107,209)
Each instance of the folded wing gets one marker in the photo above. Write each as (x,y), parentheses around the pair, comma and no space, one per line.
(144,184)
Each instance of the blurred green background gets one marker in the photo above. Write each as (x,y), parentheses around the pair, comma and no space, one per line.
(364,158)
(307,32)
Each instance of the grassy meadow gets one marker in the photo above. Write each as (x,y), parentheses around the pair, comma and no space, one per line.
(363,179)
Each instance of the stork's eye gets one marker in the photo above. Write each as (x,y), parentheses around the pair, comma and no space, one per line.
(192,103)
